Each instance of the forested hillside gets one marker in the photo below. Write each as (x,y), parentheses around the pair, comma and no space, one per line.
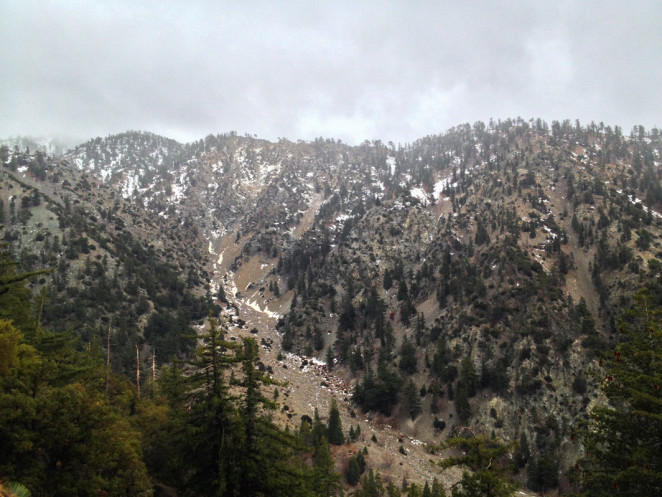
(471,290)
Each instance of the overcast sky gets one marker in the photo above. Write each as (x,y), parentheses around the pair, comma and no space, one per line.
(352,70)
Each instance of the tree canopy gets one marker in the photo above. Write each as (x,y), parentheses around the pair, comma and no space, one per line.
(623,440)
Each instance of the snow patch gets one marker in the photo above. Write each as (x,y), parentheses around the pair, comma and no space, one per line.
(390,162)
(420,194)
(255,306)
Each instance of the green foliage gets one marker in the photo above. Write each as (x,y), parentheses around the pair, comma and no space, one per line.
(334,432)
(462,405)
(468,376)
(579,384)
(63,433)
(440,359)
(482,235)
(319,429)
(372,486)
(326,482)
(522,453)
(378,393)
(403,292)
(412,399)
(195,424)
(388,280)
(353,473)
(52,408)
(347,313)
(488,459)
(543,473)
(17,490)
(318,339)
(622,443)
(227,445)
(408,360)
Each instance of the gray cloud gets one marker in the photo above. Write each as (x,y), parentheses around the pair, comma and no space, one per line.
(388,70)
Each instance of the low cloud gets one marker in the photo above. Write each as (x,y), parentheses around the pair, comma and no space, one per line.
(381,70)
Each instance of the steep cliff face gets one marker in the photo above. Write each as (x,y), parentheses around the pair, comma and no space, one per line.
(466,279)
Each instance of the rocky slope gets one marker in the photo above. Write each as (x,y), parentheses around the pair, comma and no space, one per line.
(469,279)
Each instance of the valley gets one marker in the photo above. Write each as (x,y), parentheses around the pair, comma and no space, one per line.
(469,282)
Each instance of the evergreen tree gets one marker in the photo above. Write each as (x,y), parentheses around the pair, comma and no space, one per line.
(347,313)
(60,433)
(542,473)
(220,295)
(439,359)
(412,400)
(319,430)
(372,486)
(329,359)
(334,432)
(388,280)
(468,376)
(360,459)
(437,489)
(353,473)
(622,443)
(212,457)
(318,339)
(488,459)
(462,405)
(251,470)
(380,392)
(408,361)
(403,292)
(326,482)
(522,454)
(482,236)
(372,306)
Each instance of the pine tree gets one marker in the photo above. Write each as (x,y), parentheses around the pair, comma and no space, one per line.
(212,457)
(468,376)
(305,432)
(353,473)
(543,473)
(408,361)
(412,400)
(347,313)
(326,482)
(522,454)
(318,339)
(403,292)
(622,443)
(388,280)
(334,432)
(488,460)
(250,470)
(372,486)
(319,429)
(53,408)
(462,405)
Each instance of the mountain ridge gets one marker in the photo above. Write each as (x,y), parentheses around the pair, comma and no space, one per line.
(485,266)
